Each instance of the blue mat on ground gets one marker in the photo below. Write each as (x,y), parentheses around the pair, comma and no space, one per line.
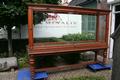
(99,66)
(24,74)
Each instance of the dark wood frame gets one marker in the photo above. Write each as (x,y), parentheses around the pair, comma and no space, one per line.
(39,50)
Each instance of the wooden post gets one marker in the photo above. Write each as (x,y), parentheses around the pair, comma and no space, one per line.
(96,54)
(30,27)
(97,34)
(106,39)
(107,29)
(32,64)
(97,27)
(105,56)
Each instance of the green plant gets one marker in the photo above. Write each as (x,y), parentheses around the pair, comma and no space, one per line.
(23,61)
(79,36)
(75,57)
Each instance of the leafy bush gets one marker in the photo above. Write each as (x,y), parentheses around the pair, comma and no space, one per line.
(23,61)
(75,57)
(68,37)
(79,36)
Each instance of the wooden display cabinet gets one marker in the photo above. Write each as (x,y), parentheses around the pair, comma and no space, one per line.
(55,48)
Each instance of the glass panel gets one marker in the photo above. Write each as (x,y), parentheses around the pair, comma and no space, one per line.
(57,27)
(102,26)
(89,23)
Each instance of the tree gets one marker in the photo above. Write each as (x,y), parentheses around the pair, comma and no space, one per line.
(14,13)
(11,12)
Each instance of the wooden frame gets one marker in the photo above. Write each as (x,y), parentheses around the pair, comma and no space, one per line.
(38,49)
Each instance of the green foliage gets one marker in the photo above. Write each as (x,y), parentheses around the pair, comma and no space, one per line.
(69,37)
(39,17)
(86,78)
(14,12)
(79,37)
(23,61)
(46,1)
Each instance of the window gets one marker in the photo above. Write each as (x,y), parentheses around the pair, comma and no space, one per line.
(88,23)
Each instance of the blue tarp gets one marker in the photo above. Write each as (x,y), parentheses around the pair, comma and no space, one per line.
(24,74)
(99,66)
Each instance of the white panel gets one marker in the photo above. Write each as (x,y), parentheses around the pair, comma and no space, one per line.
(57,26)
(112,30)
(24,31)
(110,1)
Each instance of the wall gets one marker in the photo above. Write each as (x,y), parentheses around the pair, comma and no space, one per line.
(113,4)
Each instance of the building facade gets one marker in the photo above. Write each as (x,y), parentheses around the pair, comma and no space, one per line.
(114,21)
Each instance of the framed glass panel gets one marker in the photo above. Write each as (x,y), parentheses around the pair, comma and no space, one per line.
(61,27)
(102,27)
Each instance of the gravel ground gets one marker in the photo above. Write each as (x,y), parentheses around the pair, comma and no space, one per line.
(80,72)
(61,75)
(8,75)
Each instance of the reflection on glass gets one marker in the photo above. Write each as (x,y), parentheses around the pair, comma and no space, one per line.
(56,27)
(102,25)
(89,23)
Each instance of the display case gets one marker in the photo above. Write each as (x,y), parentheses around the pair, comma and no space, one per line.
(54,29)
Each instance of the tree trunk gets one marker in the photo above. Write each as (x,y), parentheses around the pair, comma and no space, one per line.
(10,49)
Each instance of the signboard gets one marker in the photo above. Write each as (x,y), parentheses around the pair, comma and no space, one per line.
(56,25)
